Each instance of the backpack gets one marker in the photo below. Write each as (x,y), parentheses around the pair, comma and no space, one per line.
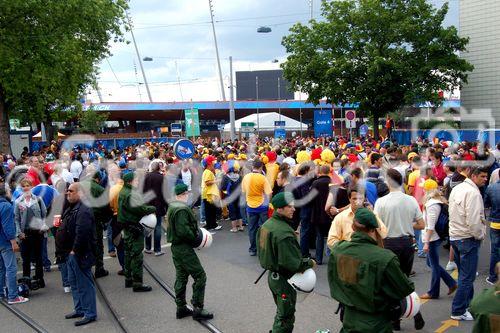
(443,222)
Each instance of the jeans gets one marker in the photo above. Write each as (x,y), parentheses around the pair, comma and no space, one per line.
(243,212)
(82,288)
(438,272)
(495,253)
(320,244)
(466,257)
(63,268)
(418,240)
(8,271)
(255,220)
(109,237)
(202,211)
(45,257)
(157,236)
(305,230)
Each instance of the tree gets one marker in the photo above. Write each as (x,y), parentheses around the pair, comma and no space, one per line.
(48,56)
(383,54)
(91,121)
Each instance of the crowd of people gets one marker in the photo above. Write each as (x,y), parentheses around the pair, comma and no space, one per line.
(306,199)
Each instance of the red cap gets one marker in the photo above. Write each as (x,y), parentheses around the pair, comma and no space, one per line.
(210,160)
(271,155)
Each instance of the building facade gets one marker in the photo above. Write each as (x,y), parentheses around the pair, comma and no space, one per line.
(480,21)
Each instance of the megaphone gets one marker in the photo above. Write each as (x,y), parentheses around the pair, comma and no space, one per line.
(303,283)
(410,306)
(203,240)
(148,222)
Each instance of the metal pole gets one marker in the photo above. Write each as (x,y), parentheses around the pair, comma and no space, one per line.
(99,94)
(300,113)
(217,50)
(341,121)
(139,57)
(257,100)
(232,116)
(279,100)
(179,80)
(311,8)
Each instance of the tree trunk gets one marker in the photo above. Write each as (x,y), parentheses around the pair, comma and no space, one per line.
(4,126)
(375,127)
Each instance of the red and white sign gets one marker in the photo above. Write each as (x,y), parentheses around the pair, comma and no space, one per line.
(350,119)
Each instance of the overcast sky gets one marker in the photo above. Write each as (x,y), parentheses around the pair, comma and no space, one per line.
(178,31)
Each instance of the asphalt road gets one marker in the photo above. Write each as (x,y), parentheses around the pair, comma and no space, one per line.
(239,305)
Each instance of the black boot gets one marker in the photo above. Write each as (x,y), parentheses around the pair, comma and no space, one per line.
(419,321)
(99,273)
(183,312)
(129,284)
(142,288)
(202,314)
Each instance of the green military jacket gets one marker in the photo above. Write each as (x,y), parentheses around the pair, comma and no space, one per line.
(485,307)
(366,277)
(99,201)
(131,207)
(182,227)
(278,249)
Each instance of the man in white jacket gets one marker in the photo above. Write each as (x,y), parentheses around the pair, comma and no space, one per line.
(467,229)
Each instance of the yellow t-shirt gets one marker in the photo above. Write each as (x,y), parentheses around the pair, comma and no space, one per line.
(272,170)
(412,178)
(255,186)
(208,192)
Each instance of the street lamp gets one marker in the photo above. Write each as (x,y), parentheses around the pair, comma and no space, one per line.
(264,30)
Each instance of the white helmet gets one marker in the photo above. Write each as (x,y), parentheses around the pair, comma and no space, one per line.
(149,223)
(203,240)
(410,306)
(303,283)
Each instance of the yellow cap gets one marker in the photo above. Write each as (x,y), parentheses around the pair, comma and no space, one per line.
(430,184)
(412,155)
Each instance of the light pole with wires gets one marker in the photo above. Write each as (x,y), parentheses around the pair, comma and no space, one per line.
(217,50)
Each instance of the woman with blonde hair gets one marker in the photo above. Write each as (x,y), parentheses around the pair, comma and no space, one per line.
(432,205)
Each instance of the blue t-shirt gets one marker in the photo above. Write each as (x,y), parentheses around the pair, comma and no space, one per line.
(46,192)
(371,192)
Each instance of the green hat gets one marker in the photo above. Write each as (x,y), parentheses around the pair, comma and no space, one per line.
(282,199)
(366,217)
(128,176)
(180,188)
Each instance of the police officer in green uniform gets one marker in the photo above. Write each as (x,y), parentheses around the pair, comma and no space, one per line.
(485,308)
(279,252)
(182,232)
(366,279)
(98,199)
(130,211)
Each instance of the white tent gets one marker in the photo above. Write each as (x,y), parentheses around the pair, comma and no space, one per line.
(266,122)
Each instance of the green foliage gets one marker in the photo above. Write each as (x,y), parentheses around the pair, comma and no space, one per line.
(91,121)
(49,51)
(435,123)
(383,54)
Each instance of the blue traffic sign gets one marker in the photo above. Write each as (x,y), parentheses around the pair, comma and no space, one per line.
(184,149)
(363,130)
(279,133)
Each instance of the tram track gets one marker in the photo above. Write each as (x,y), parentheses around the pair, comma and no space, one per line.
(28,320)
(205,323)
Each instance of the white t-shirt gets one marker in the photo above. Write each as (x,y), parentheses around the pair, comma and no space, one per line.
(76,169)
(186,178)
(398,211)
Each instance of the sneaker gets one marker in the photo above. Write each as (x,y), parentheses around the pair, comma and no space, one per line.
(422,255)
(157,254)
(234,230)
(67,290)
(218,227)
(489,281)
(451,266)
(253,254)
(112,254)
(465,317)
(47,269)
(148,251)
(241,229)
(18,300)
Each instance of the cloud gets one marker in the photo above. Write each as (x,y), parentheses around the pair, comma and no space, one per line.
(179,31)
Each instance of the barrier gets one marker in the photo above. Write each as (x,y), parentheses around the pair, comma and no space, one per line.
(107,143)
(405,136)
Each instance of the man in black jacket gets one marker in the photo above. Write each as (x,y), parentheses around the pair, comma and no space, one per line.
(154,182)
(75,242)
(319,217)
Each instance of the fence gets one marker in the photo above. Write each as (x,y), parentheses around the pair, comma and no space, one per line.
(405,137)
(107,143)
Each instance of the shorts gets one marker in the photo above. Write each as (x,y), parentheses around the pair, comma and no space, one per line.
(234,211)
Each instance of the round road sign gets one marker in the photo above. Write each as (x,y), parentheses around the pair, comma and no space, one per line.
(350,115)
(184,149)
